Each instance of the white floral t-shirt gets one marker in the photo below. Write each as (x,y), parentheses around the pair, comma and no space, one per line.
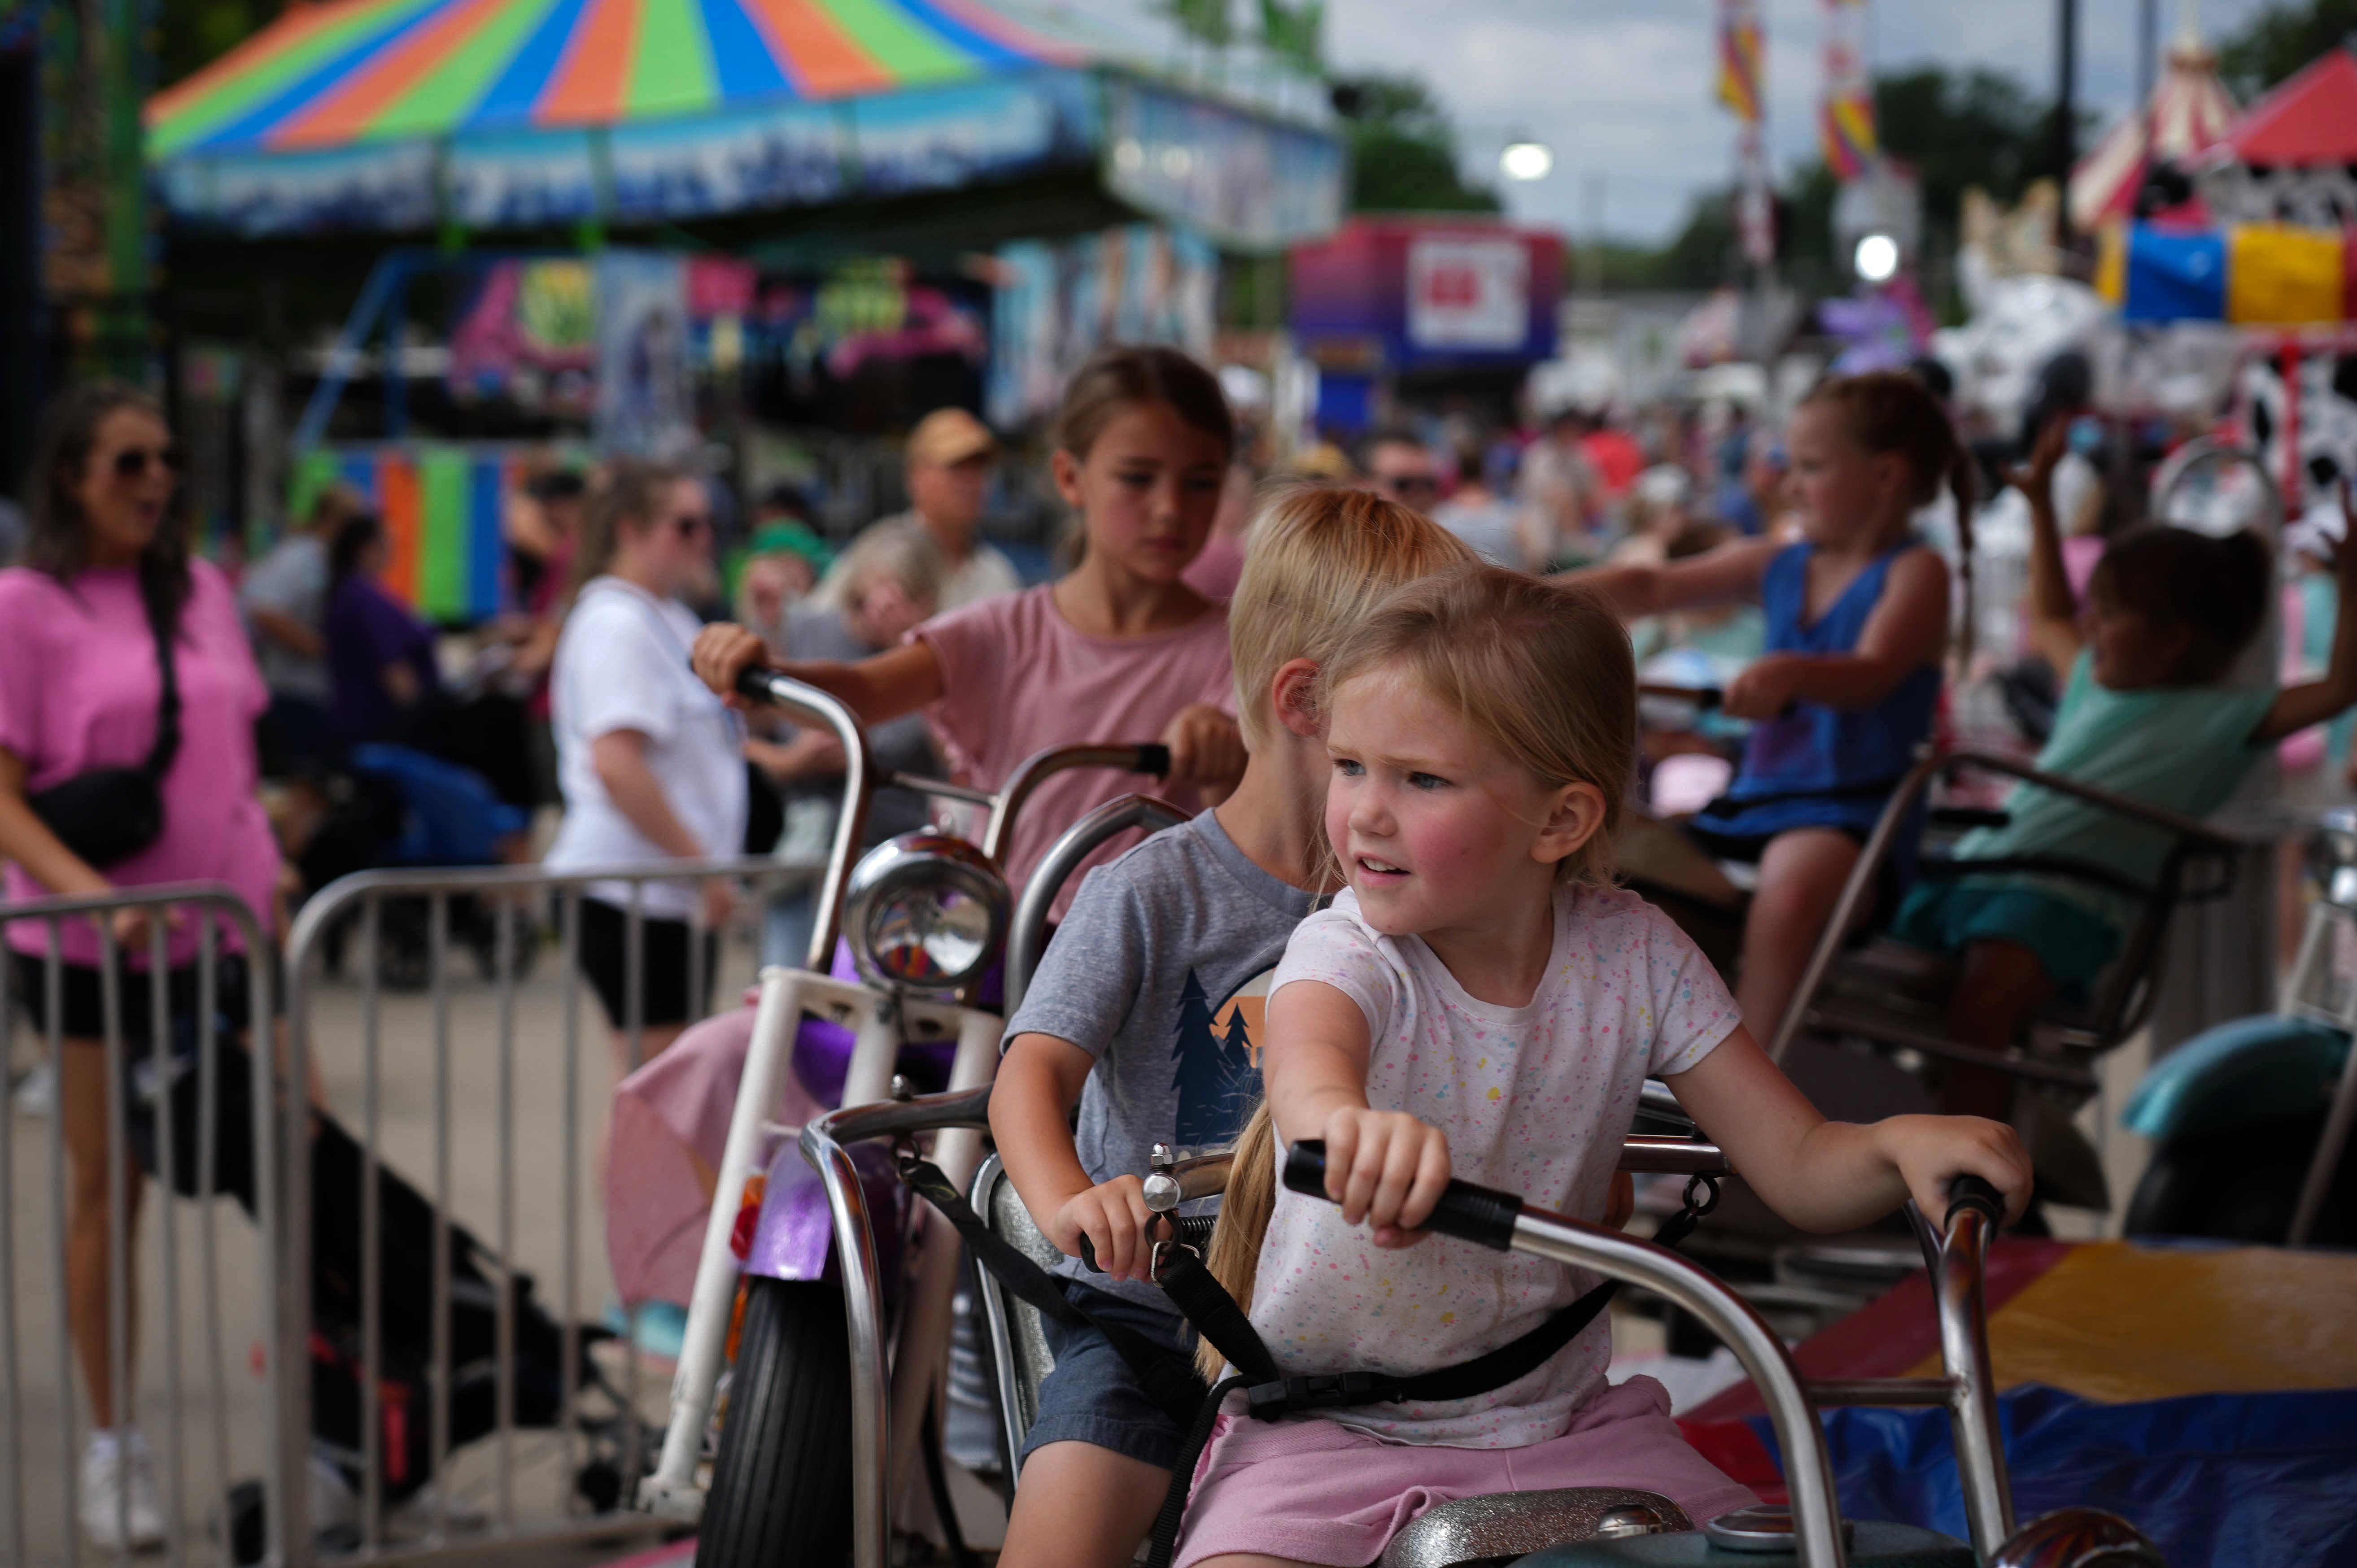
(1535,1100)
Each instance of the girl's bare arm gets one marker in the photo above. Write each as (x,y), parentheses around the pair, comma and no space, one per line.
(897,682)
(1384,1166)
(1908,630)
(1835,1175)
(2053,609)
(1727,575)
(2313,702)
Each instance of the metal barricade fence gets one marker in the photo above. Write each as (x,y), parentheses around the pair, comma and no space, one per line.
(523,1162)
(174,1082)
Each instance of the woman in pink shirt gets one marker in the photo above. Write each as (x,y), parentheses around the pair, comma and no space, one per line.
(80,688)
(1119,649)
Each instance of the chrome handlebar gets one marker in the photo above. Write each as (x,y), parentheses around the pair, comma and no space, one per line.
(821,711)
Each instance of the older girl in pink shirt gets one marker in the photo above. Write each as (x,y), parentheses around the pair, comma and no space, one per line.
(1119,649)
(80,688)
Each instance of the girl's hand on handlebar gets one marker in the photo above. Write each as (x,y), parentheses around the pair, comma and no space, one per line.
(1113,1215)
(1385,1167)
(1205,747)
(724,651)
(1763,690)
(1931,1151)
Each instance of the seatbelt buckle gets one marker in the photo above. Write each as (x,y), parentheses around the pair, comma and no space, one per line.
(1317,1391)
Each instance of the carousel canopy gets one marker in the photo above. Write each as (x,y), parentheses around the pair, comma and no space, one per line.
(333,74)
(407,115)
(2311,119)
(2188,112)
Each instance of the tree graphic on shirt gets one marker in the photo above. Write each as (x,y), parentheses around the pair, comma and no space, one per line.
(1212,1076)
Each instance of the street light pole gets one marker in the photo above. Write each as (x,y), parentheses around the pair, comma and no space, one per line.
(2066,114)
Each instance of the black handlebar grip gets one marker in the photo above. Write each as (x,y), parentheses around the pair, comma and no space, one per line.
(753,682)
(1089,1254)
(1481,1215)
(1154,757)
(1970,1191)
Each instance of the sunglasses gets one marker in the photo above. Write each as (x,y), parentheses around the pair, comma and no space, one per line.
(132,462)
(1410,484)
(688,524)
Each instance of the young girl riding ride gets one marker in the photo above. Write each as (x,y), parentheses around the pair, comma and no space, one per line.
(1857,624)
(1143,1012)
(1119,649)
(1482,1003)
(2147,713)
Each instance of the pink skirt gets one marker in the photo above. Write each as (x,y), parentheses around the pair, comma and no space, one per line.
(1317,1491)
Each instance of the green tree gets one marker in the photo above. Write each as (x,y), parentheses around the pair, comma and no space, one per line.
(1296,33)
(1206,21)
(195,33)
(2282,38)
(1404,149)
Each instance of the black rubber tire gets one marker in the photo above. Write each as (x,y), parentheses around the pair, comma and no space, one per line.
(781,1485)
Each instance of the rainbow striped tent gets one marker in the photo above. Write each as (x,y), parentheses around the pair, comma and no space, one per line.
(393,115)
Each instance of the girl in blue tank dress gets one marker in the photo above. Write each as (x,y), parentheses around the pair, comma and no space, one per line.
(1858,626)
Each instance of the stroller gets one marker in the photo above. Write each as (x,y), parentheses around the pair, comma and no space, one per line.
(552,1364)
(397,806)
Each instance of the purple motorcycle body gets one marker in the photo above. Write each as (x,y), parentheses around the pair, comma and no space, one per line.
(794,1237)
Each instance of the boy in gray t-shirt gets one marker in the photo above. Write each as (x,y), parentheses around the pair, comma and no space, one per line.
(1147,1012)
(1158,972)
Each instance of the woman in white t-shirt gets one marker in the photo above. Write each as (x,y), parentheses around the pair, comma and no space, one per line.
(651,763)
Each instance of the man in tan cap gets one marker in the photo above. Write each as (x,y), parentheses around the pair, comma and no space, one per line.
(950,455)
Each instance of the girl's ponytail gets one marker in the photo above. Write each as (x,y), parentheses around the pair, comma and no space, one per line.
(1234,1256)
(1964,483)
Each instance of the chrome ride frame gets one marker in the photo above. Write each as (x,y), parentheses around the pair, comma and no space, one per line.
(881,1020)
(1955,1253)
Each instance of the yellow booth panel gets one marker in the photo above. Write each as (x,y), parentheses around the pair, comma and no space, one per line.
(2116,1321)
(2282,274)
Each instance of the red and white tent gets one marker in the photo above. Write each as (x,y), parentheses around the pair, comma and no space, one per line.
(2311,119)
(2189,110)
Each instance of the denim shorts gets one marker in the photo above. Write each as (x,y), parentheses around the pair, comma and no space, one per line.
(2072,943)
(1091,1396)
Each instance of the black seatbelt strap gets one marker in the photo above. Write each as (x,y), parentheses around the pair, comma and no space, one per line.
(1168,1377)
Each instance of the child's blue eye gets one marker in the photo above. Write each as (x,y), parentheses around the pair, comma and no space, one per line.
(1348,768)
(1426,781)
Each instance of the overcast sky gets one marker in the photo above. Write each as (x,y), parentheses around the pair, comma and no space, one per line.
(1623,87)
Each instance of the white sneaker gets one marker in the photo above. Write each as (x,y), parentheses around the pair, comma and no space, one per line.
(36,1091)
(120,1508)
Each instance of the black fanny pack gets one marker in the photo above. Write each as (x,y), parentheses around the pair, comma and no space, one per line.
(109,814)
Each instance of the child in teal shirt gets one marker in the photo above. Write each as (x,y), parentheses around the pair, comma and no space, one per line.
(2146,714)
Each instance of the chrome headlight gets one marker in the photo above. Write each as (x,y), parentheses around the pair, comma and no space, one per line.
(2333,855)
(925,912)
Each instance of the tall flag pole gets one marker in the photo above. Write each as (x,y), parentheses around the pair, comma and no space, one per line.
(1740,91)
(1846,130)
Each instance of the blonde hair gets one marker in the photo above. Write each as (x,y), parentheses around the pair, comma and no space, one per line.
(1319,561)
(908,556)
(1540,670)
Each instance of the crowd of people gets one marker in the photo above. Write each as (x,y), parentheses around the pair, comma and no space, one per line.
(1400,698)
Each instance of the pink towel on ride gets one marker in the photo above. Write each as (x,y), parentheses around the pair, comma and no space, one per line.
(670,1129)
(1318,1491)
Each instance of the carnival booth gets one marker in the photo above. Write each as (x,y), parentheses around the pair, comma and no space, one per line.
(633,203)
(1399,310)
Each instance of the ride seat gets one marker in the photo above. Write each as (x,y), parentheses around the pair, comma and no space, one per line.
(1019,1357)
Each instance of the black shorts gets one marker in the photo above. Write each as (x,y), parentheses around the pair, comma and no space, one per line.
(604,963)
(83,996)
(1890,880)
